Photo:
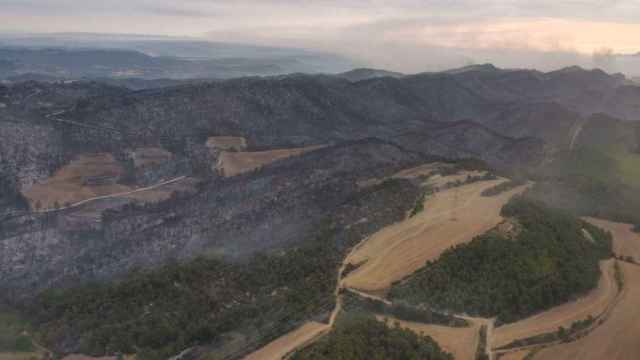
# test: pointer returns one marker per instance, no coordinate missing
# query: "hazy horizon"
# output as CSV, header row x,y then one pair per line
x,y
408,36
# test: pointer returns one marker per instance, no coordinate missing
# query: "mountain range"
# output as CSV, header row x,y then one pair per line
x,y
102,143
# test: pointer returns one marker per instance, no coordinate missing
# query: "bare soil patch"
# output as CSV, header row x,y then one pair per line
x,y
150,156
594,304
227,143
450,217
516,355
236,163
617,337
22,356
286,344
85,177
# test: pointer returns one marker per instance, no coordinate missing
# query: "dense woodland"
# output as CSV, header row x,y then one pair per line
x,y
160,313
363,337
547,263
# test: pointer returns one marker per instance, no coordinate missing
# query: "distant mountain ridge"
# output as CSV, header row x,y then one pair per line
x,y
74,56
365,74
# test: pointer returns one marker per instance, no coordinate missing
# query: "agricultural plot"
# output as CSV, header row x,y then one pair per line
x,y
450,217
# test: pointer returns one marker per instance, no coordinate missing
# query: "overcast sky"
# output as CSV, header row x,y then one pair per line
x,y
400,34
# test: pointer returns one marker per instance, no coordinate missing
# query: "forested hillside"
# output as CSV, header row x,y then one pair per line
x,y
549,261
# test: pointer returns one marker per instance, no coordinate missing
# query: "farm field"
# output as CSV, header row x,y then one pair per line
x,y
150,156
227,143
284,345
564,315
236,163
68,184
617,337
450,217
516,355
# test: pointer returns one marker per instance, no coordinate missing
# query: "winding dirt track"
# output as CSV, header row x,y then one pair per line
x,y
307,333
450,217
617,338
595,303
116,195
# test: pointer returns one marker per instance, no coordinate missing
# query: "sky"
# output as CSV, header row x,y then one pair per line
x,y
406,35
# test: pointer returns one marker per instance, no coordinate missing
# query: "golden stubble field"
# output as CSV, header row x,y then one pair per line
x,y
286,344
594,304
617,338
67,184
450,217
236,163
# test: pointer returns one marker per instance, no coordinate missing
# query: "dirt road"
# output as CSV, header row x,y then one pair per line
x,y
594,304
307,333
450,217
117,195
617,338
